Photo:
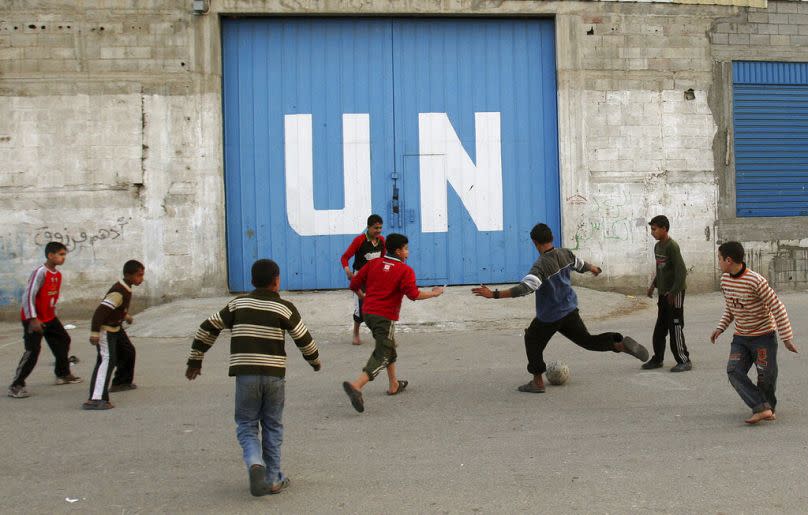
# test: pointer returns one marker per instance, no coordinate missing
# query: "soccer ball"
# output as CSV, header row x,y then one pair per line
x,y
557,372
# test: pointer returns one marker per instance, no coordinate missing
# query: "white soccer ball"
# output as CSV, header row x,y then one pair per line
x,y
557,372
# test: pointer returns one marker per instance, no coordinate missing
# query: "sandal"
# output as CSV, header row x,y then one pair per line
x,y
355,395
401,385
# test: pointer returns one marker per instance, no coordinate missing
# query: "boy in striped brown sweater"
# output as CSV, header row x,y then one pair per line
x,y
257,322
106,332
757,312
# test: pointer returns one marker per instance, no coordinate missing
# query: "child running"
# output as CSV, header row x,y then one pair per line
x,y
367,246
106,333
385,282
39,320
557,307
757,312
257,322
669,280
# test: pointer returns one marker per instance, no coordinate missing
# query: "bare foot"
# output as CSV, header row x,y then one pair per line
x,y
757,417
772,418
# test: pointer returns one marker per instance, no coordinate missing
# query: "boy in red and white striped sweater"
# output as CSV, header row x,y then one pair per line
x,y
757,312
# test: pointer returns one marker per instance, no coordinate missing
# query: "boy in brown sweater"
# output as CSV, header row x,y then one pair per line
x,y
105,332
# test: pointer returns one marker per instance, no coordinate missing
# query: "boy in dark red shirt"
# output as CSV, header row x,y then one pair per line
x,y
385,281
39,321
367,246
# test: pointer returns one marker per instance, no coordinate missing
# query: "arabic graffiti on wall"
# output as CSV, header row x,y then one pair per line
x,y
76,239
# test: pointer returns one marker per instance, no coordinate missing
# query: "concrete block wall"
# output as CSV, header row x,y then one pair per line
x,y
110,142
640,140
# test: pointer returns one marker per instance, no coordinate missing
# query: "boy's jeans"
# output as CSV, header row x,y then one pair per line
x,y
259,399
762,352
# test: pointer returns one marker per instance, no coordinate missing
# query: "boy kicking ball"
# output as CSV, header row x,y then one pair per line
x,y
385,281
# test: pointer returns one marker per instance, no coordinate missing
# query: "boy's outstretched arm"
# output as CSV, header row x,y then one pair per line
x,y
205,338
436,291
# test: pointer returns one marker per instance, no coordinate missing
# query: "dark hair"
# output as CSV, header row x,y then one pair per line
x,y
541,233
375,219
264,272
132,267
732,249
53,247
394,242
661,221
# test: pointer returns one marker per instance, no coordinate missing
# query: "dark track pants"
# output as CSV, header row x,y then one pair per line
x,y
59,342
107,358
539,333
670,322
125,368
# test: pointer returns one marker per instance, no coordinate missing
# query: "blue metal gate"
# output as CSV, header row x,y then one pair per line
x,y
447,128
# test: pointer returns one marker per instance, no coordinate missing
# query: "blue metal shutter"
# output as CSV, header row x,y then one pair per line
x,y
770,110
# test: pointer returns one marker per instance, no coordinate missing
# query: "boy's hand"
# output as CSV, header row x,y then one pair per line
x,y
349,273
650,292
35,326
94,340
483,291
790,345
128,319
316,365
361,294
192,373
596,270
437,291
715,335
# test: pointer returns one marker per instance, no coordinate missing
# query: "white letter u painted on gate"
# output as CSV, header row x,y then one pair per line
x,y
303,217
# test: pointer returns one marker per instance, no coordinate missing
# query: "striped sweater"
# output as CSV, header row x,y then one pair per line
x,y
753,305
257,322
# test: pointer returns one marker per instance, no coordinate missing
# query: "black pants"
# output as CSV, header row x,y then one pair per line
x,y
671,321
539,333
125,368
59,342
107,358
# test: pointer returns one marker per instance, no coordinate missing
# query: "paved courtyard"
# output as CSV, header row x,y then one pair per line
x,y
461,439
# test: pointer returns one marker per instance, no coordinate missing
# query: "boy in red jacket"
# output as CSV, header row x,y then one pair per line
x,y
367,246
385,281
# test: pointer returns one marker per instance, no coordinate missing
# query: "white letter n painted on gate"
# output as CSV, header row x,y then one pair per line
x,y
443,160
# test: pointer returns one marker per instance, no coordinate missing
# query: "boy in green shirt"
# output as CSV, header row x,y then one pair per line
x,y
669,280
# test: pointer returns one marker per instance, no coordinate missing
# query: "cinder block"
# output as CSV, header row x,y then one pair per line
x,y
800,42
11,53
788,29
784,7
758,17
719,39
739,39
777,40
778,18
768,29
113,52
759,40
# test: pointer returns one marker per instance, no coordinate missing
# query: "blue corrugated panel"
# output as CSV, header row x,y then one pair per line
x,y
320,76
771,138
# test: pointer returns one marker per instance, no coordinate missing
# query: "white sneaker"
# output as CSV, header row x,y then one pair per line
x,y
18,392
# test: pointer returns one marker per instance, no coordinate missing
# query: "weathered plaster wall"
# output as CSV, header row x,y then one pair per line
x,y
109,142
111,133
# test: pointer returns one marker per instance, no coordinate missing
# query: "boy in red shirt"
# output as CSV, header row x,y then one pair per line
x,y
39,321
385,281
367,246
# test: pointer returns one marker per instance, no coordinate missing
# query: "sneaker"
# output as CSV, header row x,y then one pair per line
x,y
97,405
279,487
682,367
651,364
258,481
122,387
69,379
18,392
630,346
